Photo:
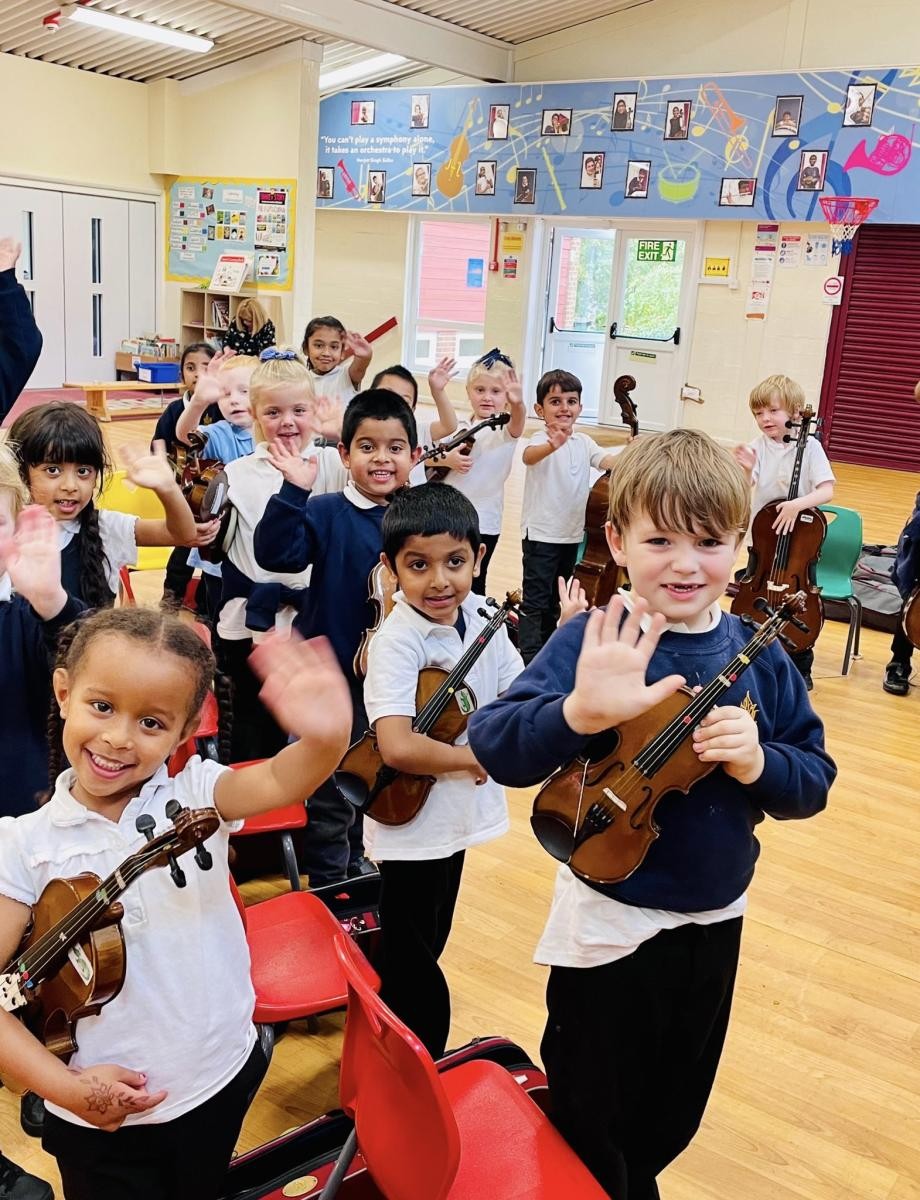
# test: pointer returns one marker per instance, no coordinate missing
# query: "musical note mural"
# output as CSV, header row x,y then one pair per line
x,y
693,134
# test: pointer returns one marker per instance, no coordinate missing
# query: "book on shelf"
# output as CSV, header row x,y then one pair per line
x,y
220,314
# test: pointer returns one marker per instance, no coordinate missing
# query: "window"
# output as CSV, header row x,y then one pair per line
x,y
448,306
651,288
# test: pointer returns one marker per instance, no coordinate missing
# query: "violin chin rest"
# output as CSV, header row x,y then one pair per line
x,y
353,788
554,834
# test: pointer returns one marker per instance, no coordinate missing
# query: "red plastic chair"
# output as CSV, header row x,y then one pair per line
x,y
469,1133
278,820
206,731
295,970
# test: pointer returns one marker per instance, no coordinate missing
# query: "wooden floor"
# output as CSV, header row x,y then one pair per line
x,y
818,1096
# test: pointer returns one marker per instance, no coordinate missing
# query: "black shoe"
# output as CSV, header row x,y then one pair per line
x,y
15,1184
32,1114
897,679
362,866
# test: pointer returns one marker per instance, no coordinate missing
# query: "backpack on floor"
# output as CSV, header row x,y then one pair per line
x,y
874,588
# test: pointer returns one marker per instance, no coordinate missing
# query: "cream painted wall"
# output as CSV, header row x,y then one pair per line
x,y
672,37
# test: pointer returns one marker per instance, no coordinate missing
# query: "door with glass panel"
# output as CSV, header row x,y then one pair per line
x,y
96,283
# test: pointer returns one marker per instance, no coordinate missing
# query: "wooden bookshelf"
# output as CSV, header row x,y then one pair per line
x,y
204,315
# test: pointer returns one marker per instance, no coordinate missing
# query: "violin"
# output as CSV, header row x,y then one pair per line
x,y
910,618
463,441
598,815
597,573
72,958
206,488
628,410
443,703
381,588
449,178
783,563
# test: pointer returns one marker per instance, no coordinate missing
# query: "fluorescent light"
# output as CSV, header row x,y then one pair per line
x,y
137,29
359,70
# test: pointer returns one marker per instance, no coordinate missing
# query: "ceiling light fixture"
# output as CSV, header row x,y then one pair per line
x,y
359,70
112,23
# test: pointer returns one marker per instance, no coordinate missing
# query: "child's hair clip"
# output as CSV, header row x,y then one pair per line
x,y
492,357
273,352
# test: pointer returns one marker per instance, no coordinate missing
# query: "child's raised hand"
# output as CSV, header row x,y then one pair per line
x,y
610,685
439,376
149,469
303,687
10,251
745,457
357,345
572,599
105,1094
328,412
729,735
33,560
513,390
558,437
296,470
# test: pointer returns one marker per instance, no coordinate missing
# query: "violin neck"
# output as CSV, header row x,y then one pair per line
x,y
653,756
429,715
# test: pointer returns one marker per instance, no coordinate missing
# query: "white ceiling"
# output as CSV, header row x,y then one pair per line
x,y
516,21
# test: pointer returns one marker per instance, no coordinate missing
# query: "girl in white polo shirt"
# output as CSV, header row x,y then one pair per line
x,y
152,1101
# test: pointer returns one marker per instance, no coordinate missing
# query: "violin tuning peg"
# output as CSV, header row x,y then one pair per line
x,y
762,606
203,858
145,824
799,624
483,612
173,808
788,643
748,621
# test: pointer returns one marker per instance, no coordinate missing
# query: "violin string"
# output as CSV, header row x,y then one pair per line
x,y
436,705
57,939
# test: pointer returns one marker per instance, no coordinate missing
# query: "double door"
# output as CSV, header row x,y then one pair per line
x,y
617,303
88,265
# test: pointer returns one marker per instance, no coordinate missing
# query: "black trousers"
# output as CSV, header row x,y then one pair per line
x,y
178,574
184,1159
902,648
416,912
544,562
490,541
334,836
255,732
631,1050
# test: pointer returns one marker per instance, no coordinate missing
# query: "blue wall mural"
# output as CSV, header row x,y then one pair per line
x,y
758,146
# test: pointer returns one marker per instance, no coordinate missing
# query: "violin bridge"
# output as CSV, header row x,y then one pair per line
x,y
614,798
777,587
11,994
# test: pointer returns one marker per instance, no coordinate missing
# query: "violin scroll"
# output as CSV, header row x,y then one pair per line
x,y
622,387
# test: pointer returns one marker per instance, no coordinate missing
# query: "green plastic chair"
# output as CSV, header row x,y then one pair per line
x,y
839,556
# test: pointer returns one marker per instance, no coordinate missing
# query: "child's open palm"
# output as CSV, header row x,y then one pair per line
x,y
10,251
296,470
558,437
148,470
33,560
303,687
513,390
440,375
357,345
610,685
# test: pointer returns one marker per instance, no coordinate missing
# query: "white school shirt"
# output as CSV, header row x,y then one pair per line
x,y
483,484
459,813
116,529
587,929
184,1014
336,383
556,489
252,483
772,472
423,431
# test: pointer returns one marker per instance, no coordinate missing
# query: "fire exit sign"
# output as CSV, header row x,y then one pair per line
x,y
655,250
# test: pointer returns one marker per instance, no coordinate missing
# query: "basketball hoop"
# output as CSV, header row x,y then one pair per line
x,y
845,214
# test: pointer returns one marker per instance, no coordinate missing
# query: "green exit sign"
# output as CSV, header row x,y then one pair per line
x,y
655,250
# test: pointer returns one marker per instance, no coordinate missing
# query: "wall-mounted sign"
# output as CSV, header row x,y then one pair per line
x,y
655,250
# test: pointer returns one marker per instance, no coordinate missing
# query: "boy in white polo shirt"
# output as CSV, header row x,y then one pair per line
x,y
431,542
556,487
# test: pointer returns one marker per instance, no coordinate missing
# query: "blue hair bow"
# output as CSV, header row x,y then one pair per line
x,y
273,352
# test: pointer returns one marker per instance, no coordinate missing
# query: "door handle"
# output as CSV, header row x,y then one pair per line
x,y
552,324
613,331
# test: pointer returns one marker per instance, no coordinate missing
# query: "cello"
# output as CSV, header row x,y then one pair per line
x,y
597,815
622,389
783,563
72,960
910,619
443,703
597,573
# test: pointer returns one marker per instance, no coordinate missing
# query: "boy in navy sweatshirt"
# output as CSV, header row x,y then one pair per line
x,y
20,339
660,947
906,576
339,535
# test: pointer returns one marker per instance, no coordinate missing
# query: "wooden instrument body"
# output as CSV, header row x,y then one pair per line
x,y
573,796
381,588
436,473
910,621
396,797
462,441
764,580
60,1000
597,573
206,488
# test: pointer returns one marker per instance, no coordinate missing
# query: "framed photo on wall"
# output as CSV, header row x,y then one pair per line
x,y
556,122
638,174
812,169
421,179
325,183
485,178
860,104
737,193
498,122
623,117
418,113
525,185
677,120
363,112
787,116
376,187
592,169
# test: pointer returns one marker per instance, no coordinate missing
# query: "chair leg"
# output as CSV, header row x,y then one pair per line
x,y
267,1040
290,861
342,1163
859,612
847,653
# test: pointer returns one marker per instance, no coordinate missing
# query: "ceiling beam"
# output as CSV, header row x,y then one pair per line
x,y
388,27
